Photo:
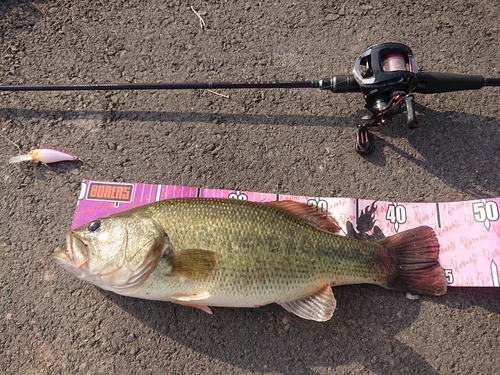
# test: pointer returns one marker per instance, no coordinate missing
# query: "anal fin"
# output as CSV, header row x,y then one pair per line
x,y
318,306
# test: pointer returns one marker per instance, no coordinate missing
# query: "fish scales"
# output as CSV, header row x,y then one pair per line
x,y
266,250
215,252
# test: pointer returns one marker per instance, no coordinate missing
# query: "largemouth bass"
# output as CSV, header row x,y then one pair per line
x,y
204,252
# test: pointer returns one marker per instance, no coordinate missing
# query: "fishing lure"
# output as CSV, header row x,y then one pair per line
x,y
43,155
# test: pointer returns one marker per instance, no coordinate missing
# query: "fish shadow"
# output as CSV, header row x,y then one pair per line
x,y
464,298
363,332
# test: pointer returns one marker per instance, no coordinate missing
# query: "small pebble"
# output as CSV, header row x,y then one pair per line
x,y
412,296
131,337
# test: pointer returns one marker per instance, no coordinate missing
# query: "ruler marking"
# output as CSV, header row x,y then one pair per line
x,y
438,216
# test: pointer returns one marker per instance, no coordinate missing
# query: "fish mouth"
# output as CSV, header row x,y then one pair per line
x,y
77,255
118,278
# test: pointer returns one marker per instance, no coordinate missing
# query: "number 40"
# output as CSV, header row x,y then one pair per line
x,y
396,214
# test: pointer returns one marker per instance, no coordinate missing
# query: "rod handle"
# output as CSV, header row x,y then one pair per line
x,y
340,84
429,83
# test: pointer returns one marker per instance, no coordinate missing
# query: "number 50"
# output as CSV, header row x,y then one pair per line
x,y
485,211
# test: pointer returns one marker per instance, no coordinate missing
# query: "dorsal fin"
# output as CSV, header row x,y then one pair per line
x,y
316,216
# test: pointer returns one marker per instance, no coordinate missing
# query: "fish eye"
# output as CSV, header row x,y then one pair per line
x,y
94,225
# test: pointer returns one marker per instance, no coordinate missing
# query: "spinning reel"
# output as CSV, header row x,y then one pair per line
x,y
386,74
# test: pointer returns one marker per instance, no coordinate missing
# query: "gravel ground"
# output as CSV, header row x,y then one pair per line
x,y
286,141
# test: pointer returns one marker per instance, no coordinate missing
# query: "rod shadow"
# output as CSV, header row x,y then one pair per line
x,y
20,13
460,149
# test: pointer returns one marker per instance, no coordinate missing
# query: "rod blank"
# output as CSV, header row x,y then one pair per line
x,y
162,86
428,83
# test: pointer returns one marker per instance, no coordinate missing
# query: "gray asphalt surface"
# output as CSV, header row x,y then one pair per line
x,y
286,141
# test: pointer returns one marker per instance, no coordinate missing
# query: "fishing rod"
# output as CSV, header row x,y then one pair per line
x,y
386,74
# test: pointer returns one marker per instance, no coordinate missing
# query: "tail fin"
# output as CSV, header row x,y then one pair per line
x,y
415,264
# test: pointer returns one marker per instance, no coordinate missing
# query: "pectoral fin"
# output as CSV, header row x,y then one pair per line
x,y
319,306
193,264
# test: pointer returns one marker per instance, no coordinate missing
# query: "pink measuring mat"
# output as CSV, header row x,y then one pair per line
x,y
468,231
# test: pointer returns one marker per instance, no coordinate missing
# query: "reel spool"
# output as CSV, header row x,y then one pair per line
x,y
386,74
